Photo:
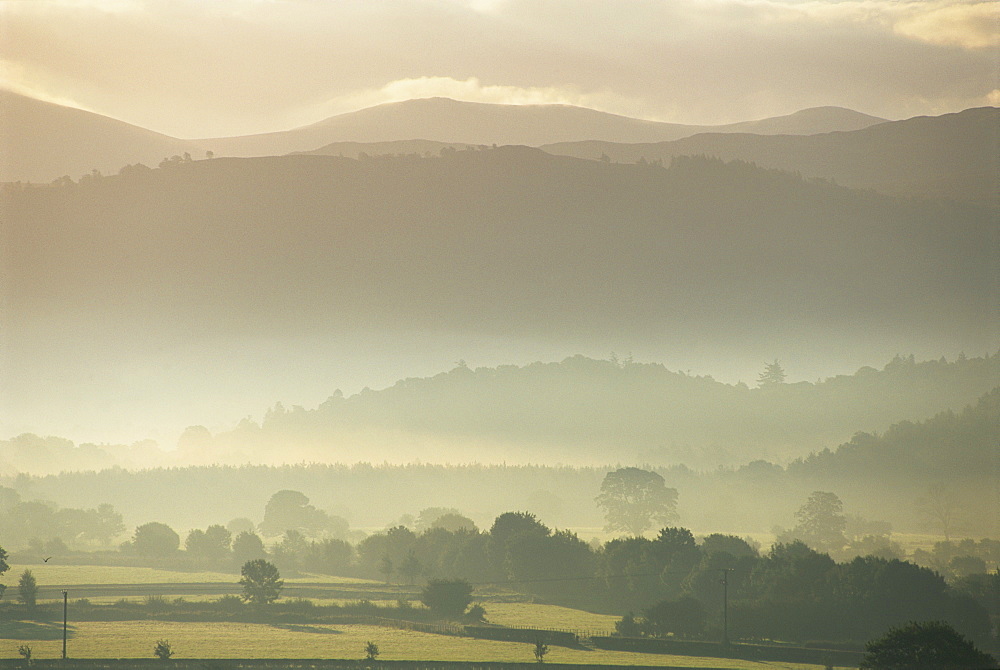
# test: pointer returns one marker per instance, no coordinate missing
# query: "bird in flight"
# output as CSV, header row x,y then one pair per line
x,y
46,560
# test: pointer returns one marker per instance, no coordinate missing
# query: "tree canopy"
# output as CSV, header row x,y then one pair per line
x,y
261,582
932,644
634,500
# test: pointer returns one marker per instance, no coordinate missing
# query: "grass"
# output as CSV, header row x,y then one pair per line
x,y
547,616
136,639
68,575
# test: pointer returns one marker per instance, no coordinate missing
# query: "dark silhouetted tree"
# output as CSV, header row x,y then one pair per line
x,y
447,598
261,582
685,616
247,547
635,500
540,650
4,567
371,651
822,522
772,375
155,539
163,650
916,645
27,589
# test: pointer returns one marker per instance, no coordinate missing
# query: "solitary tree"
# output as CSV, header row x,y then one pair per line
x,y
371,651
540,650
822,522
634,500
163,650
941,509
447,598
772,375
932,644
27,589
261,582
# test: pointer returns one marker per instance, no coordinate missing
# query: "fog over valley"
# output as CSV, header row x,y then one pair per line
x,y
473,333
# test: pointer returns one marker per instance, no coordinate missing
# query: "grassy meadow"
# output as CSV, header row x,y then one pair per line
x,y
136,639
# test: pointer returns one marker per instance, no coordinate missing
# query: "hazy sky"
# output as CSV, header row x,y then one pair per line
x,y
197,68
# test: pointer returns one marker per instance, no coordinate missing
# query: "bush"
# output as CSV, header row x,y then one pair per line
x,y
162,650
447,598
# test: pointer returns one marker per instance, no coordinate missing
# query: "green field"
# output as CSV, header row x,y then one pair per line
x,y
135,639
53,573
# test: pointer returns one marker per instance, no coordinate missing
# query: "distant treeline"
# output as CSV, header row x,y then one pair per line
x,y
578,410
583,409
936,476
671,583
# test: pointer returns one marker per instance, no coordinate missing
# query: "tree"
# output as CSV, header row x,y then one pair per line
x,y
941,509
4,567
290,510
447,598
772,375
932,644
822,522
163,650
246,547
27,589
371,651
540,650
261,582
410,567
685,616
155,539
634,500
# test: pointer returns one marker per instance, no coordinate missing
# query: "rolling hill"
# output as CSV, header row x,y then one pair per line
x,y
42,141
251,262
457,122
951,156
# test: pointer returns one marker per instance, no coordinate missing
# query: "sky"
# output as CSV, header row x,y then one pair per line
x,y
210,68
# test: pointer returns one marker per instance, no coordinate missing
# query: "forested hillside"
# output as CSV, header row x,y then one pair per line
x,y
948,156
914,475
497,247
581,409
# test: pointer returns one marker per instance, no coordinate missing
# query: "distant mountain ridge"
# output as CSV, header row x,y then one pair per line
x,y
952,156
41,141
457,122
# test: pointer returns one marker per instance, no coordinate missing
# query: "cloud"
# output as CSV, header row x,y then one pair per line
x,y
191,68
966,25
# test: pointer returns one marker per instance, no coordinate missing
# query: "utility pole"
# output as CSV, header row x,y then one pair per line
x,y
65,610
725,605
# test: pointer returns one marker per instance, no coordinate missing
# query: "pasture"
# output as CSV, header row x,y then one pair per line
x,y
136,639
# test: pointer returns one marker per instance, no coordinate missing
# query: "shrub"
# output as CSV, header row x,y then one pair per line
x,y
447,598
162,650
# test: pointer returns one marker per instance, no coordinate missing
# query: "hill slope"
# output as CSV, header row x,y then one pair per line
x,y
953,155
298,255
42,141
